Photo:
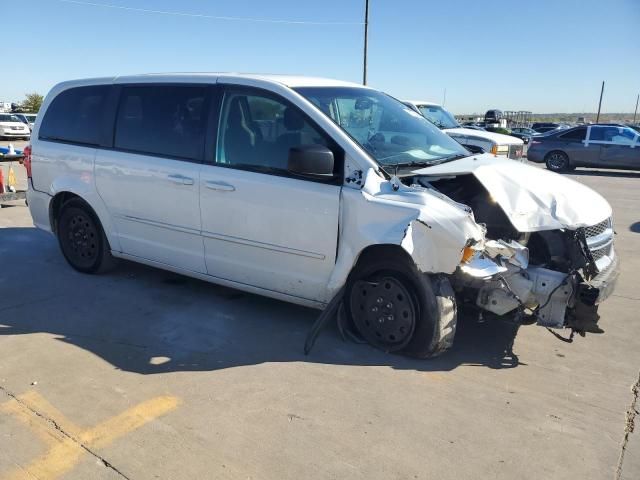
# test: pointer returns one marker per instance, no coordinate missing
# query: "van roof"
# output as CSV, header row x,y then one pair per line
x,y
287,80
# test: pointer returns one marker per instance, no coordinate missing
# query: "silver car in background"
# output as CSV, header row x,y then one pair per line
x,y
597,146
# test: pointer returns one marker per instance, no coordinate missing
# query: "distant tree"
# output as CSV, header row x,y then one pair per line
x,y
32,103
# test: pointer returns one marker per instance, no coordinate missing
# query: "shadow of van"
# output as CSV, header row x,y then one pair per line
x,y
150,321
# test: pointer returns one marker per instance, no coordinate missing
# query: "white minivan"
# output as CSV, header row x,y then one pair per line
x,y
316,192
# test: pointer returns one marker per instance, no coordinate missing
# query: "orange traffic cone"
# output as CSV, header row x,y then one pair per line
x,y
11,180
1,180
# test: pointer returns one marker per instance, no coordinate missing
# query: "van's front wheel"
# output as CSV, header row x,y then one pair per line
x,y
398,309
81,238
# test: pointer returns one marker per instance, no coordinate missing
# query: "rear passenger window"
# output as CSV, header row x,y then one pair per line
x,y
597,134
576,135
76,116
162,120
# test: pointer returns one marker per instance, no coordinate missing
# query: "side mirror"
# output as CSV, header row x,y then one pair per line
x,y
311,160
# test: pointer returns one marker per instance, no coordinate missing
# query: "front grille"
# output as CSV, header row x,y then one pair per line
x,y
597,254
600,240
598,228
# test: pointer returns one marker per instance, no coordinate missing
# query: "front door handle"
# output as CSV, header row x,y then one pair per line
x,y
181,179
222,186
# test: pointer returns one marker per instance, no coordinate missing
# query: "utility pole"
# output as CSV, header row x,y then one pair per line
x,y
366,35
636,112
444,98
600,104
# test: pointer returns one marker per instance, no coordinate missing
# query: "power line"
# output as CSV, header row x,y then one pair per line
x,y
209,17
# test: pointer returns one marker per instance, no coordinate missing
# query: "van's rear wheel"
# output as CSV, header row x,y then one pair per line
x,y
81,238
398,309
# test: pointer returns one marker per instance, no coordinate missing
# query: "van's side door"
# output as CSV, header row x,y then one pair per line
x,y
261,225
149,180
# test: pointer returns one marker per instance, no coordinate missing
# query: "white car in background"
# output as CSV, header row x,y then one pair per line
x,y
27,118
490,142
12,127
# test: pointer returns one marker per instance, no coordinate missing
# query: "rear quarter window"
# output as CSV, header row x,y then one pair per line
x,y
75,116
576,135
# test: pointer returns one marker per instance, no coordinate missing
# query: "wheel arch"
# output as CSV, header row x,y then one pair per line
x,y
64,195
375,251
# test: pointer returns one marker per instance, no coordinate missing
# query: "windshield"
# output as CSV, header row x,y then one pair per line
x,y
389,131
9,118
438,116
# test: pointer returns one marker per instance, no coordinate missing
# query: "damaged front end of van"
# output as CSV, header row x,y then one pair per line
x,y
548,257
512,241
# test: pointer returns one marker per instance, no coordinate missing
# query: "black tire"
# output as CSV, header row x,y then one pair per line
x,y
82,239
417,315
558,161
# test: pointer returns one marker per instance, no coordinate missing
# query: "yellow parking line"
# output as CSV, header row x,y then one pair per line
x,y
132,419
64,452
36,402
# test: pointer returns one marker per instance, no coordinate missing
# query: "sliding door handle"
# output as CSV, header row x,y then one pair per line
x,y
221,186
181,179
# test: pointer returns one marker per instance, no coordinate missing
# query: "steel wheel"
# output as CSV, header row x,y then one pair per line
x,y
80,239
384,311
557,162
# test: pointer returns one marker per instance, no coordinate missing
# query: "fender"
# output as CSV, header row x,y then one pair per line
x,y
432,229
83,185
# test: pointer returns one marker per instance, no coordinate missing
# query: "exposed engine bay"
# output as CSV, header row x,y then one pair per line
x,y
548,277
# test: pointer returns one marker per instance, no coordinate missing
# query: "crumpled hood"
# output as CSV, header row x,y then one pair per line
x,y
497,138
532,198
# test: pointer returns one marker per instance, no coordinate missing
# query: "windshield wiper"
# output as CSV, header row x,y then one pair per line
x,y
430,163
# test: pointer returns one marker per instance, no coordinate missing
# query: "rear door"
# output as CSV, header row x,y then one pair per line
x,y
261,225
150,179
619,147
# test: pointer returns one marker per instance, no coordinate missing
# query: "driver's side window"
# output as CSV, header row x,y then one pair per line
x,y
257,131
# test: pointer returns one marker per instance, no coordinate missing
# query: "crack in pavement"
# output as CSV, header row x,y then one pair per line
x,y
629,426
626,297
58,428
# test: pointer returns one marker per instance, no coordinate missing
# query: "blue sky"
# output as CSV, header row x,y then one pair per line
x,y
538,55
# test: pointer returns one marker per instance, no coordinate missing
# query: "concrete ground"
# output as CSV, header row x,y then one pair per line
x,y
143,374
